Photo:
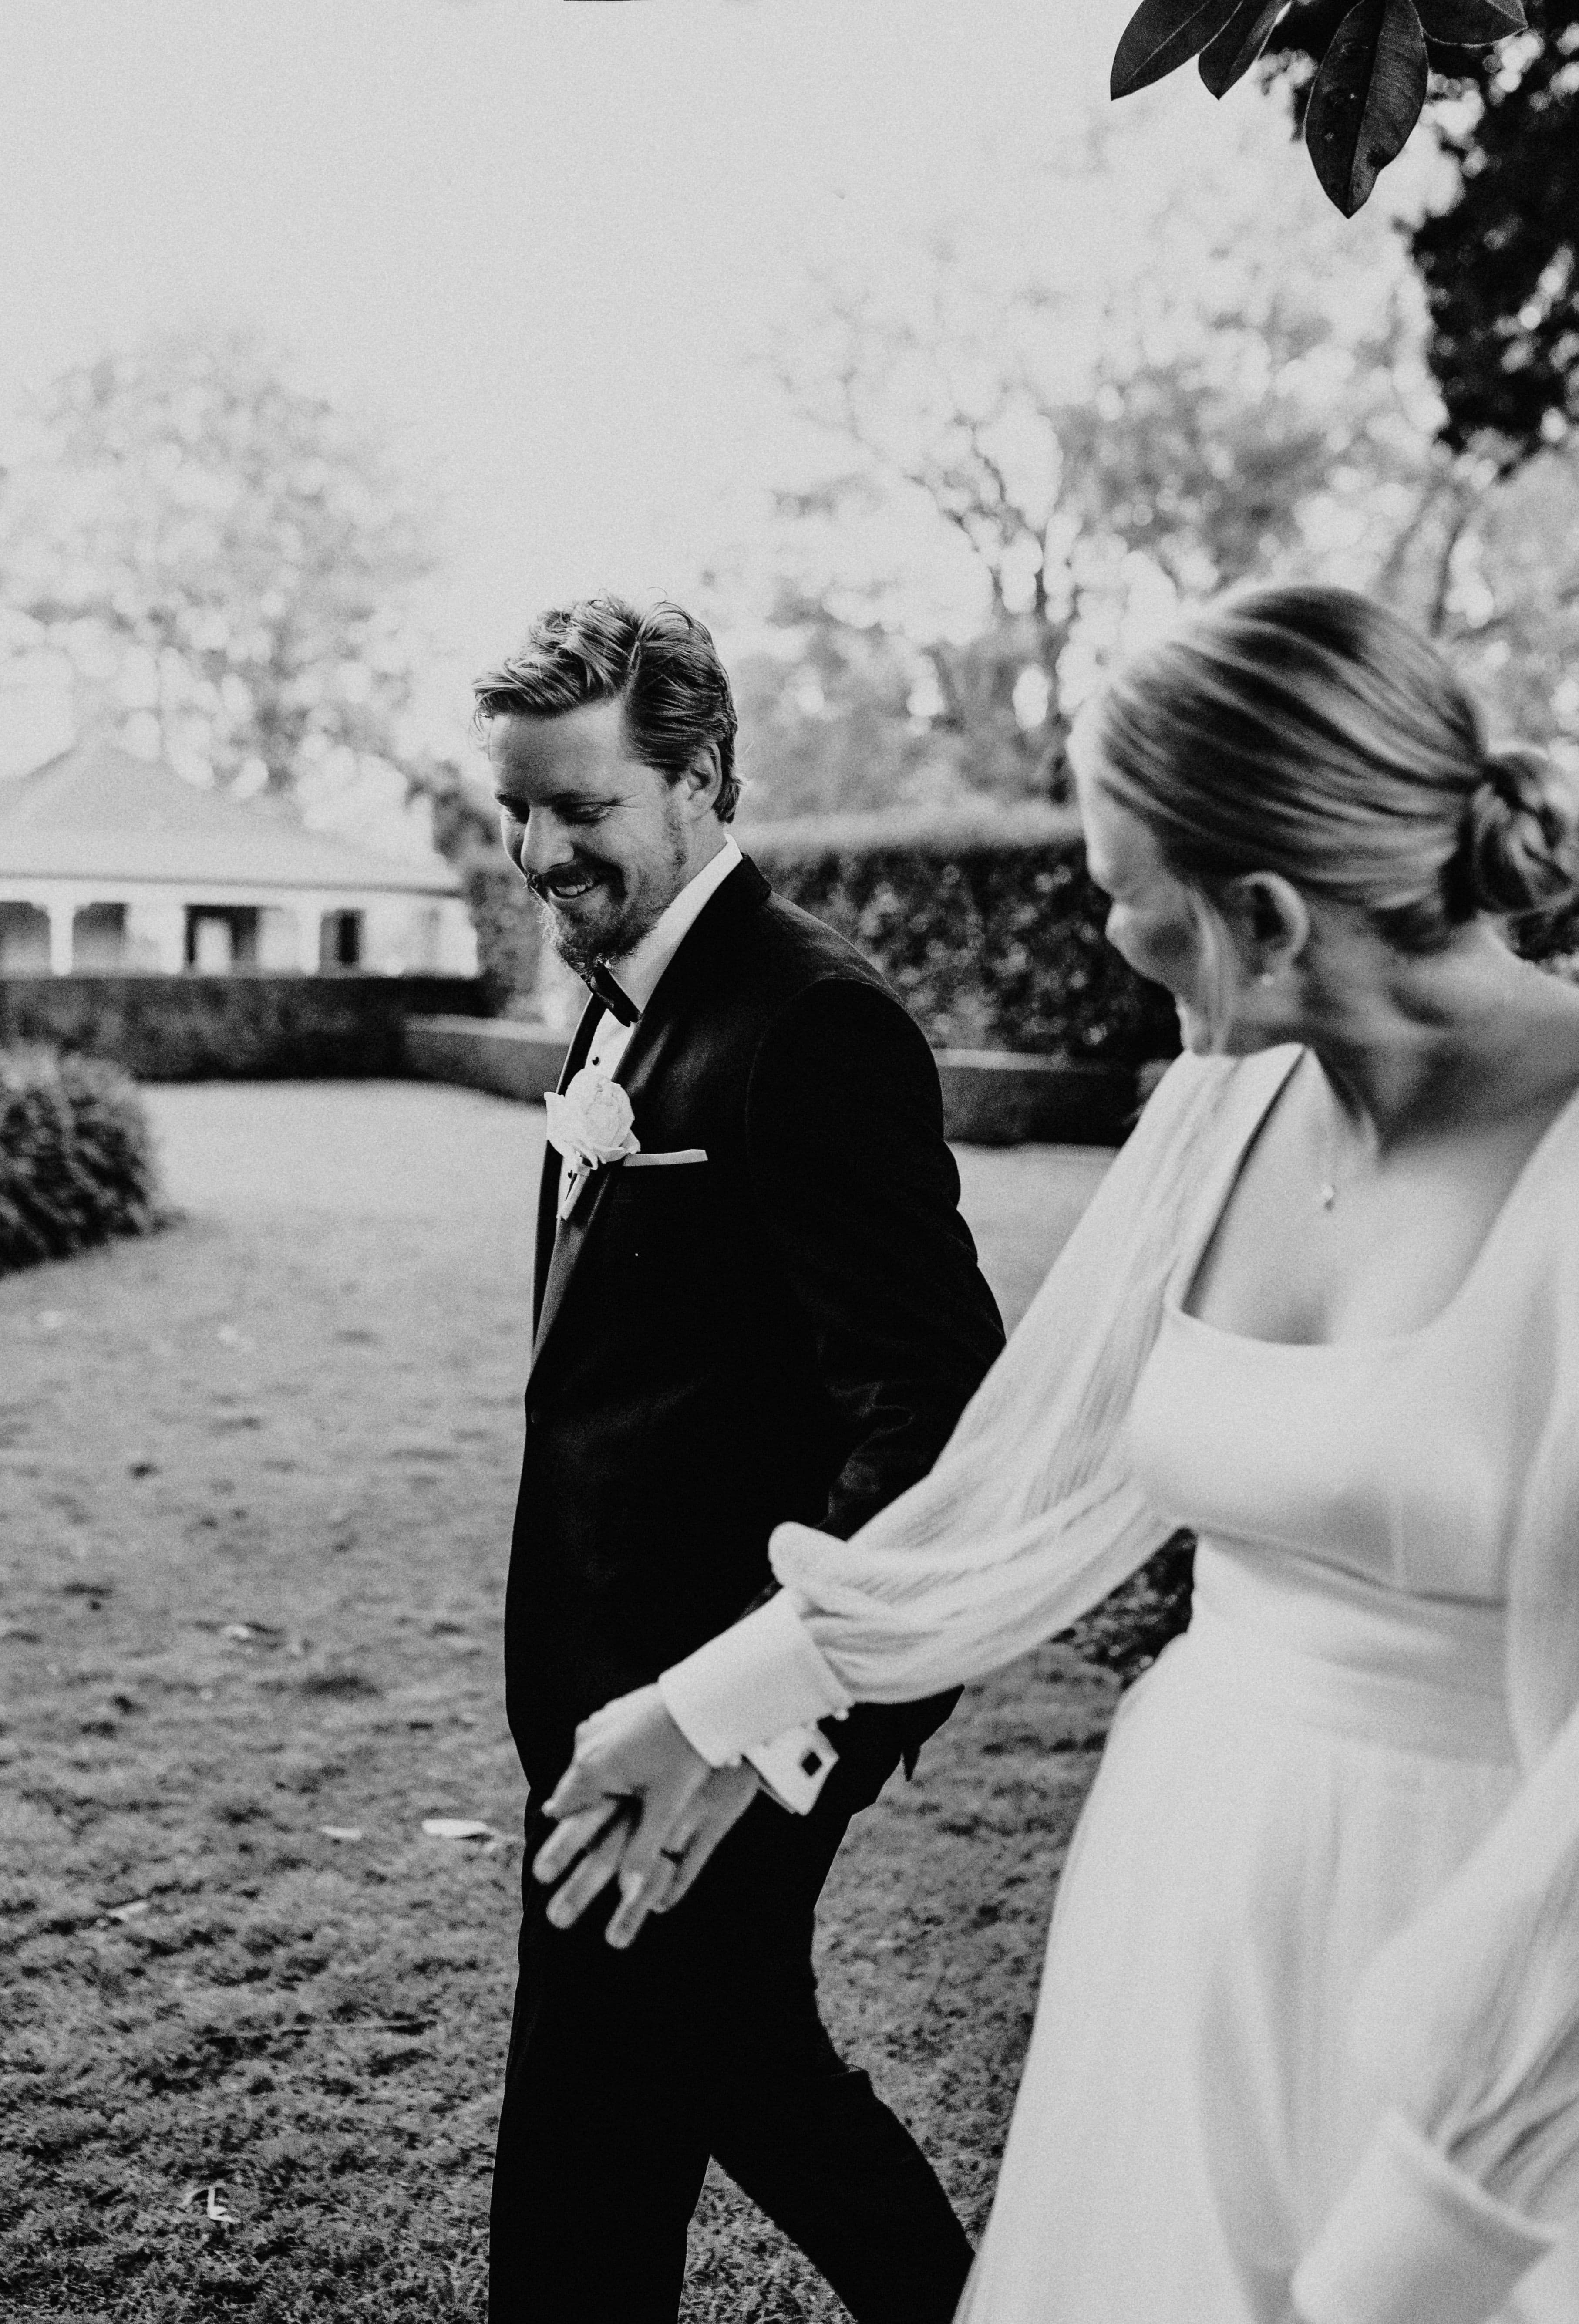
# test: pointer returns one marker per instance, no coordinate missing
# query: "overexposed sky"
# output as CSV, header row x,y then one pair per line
x,y
540,238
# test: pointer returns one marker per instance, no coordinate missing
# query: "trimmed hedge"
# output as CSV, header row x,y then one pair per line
x,y
987,926
985,923
247,1026
76,1157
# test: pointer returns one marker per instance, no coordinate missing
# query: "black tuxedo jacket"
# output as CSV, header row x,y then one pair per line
x,y
787,1330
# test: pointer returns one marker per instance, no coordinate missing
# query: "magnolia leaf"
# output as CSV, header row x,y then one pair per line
x,y
212,2206
1163,34
1228,56
1365,99
1471,24
456,1828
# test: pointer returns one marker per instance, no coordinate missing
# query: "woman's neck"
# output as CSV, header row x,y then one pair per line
x,y
1432,1038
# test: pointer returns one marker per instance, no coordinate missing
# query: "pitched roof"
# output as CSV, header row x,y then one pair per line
x,y
97,813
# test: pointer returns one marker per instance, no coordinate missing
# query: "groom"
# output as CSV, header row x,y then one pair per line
x,y
755,1300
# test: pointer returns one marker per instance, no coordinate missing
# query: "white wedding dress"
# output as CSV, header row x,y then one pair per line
x,y
1309,2024
1285,1788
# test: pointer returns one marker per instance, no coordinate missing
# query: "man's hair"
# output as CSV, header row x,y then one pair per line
x,y
661,667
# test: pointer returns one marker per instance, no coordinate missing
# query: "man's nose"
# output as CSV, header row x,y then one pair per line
x,y
545,846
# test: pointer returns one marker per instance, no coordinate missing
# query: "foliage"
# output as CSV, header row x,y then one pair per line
x,y
831,719
465,831
1500,259
509,930
1371,65
1488,565
76,1157
225,561
1027,463
1131,1626
230,1028
992,938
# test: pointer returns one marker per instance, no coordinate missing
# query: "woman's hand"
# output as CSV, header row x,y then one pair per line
x,y
637,1801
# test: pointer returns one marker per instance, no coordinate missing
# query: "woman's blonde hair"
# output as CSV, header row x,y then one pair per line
x,y
1312,732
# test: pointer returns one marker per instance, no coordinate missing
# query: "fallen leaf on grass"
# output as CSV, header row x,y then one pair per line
x,y
131,1912
456,1828
212,2207
342,1830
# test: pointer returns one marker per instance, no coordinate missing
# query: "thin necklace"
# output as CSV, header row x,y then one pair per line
x,y
1328,1183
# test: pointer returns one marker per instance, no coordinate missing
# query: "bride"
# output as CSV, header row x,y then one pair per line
x,y
1307,2043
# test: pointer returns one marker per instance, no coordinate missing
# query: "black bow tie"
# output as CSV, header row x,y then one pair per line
x,y
603,987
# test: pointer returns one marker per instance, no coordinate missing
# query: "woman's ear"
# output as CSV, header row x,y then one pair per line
x,y
1269,920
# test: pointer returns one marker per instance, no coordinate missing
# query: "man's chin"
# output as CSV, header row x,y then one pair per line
x,y
581,938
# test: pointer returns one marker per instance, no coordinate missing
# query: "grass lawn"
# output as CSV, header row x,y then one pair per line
x,y
256,1476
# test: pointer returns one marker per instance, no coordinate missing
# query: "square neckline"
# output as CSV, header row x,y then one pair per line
x,y
1182,1280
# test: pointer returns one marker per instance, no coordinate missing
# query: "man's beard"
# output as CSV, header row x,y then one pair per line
x,y
630,899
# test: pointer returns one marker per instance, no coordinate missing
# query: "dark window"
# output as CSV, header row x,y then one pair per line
x,y
340,941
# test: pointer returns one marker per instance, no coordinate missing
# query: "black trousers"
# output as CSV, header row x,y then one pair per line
x,y
628,2070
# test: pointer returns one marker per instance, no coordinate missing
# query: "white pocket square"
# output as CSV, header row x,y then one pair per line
x,y
665,1161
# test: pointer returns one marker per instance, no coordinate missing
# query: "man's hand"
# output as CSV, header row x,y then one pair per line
x,y
639,1802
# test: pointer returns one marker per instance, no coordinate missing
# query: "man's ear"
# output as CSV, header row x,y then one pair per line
x,y
702,780
1269,918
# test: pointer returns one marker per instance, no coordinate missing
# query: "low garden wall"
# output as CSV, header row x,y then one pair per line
x,y
247,1026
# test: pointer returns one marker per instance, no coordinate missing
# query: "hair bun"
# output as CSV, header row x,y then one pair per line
x,y
1520,844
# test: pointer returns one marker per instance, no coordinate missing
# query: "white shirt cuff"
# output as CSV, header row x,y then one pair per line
x,y
1413,2236
751,1684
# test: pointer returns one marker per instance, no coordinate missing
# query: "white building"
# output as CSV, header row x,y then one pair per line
x,y
109,864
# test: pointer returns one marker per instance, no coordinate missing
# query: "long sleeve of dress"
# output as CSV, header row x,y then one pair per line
x,y
1032,1514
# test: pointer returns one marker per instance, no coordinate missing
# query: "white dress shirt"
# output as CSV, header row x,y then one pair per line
x,y
637,972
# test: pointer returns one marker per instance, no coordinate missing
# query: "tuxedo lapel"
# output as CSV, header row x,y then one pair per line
x,y
663,1023
575,1059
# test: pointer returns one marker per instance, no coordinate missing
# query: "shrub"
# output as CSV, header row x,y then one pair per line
x,y
509,931
249,1025
76,1157
987,926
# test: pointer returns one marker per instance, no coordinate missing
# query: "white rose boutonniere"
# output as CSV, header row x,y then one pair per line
x,y
591,1125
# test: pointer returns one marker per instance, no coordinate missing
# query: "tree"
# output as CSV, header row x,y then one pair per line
x,y
220,555
1084,440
